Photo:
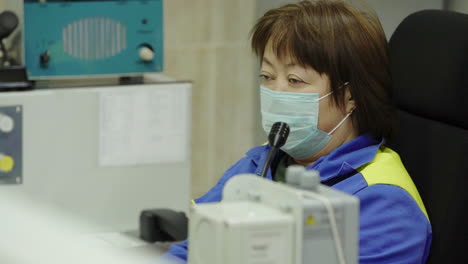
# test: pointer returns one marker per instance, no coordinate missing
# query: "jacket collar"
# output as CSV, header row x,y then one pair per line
x,y
347,157
259,155
343,160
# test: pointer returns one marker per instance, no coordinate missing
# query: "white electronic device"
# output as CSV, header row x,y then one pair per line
x,y
260,221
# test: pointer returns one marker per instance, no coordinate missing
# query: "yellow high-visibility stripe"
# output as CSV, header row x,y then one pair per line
x,y
387,168
193,202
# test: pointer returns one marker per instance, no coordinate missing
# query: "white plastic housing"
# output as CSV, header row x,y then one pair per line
x,y
240,232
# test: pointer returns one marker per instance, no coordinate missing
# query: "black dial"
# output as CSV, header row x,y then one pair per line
x,y
44,58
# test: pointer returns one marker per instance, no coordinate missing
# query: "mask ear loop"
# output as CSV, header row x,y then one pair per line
x,y
344,84
325,95
341,122
346,117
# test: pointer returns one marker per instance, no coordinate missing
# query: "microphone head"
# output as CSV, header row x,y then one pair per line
x,y
8,23
278,134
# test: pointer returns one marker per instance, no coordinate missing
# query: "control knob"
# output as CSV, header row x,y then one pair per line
x,y
6,123
44,58
146,53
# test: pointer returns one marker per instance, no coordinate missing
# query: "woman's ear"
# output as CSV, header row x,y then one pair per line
x,y
349,102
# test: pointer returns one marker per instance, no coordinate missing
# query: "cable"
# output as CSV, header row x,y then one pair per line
x,y
334,227
4,53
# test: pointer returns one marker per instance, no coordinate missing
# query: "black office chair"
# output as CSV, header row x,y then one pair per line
x,y
429,55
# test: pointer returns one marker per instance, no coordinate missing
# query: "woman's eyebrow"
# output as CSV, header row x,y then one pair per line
x,y
267,61
289,65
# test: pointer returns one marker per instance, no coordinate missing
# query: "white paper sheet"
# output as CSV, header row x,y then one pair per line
x,y
144,127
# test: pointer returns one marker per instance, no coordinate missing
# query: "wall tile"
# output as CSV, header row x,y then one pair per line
x,y
187,21
196,64
206,41
235,105
233,20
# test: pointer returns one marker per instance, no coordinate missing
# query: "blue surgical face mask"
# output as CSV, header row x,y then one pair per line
x,y
300,111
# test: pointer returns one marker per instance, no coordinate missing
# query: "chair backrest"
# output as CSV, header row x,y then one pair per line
x,y
429,56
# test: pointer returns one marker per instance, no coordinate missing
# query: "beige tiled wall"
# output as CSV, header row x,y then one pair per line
x,y
206,41
457,5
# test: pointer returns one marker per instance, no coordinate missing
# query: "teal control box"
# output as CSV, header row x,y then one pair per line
x,y
69,39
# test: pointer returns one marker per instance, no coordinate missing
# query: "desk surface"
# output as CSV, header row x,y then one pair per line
x,y
37,232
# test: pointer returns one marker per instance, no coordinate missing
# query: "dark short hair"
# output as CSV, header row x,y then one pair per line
x,y
343,42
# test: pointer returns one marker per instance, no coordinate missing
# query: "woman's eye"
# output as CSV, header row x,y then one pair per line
x,y
265,77
294,81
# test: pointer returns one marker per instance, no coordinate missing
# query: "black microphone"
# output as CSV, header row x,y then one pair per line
x,y
278,135
8,23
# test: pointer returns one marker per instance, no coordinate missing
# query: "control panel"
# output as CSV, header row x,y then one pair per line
x,y
110,37
11,144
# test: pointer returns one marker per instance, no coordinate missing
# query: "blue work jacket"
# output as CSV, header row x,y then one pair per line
x,y
394,226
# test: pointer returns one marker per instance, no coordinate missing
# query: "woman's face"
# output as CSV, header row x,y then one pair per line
x,y
284,75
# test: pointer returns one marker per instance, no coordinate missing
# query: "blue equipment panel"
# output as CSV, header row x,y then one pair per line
x,y
110,37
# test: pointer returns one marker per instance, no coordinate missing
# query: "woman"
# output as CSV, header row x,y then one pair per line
x,y
325,71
